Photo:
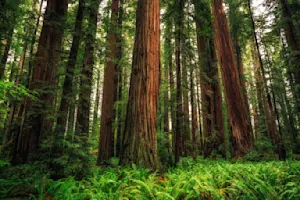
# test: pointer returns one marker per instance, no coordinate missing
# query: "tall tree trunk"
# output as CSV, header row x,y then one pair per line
x,y
67,91
106,141
85,91
37,124
194,115
140,140
120,80
96,105
211,98
241,130
179,109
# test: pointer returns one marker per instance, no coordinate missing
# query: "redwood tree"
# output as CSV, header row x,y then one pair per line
x,y
106,141
37,122
140,140
240,125
85,91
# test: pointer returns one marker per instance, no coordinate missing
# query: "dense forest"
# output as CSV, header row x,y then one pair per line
x,y
149,99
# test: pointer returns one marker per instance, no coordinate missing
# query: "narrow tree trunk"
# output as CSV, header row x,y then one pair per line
x,y
120,80
67,91
106,141
96,105
241,130
85,91
140,140
194,115
179,108
37,125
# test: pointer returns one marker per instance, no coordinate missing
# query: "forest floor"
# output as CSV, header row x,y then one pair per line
x,y
199,179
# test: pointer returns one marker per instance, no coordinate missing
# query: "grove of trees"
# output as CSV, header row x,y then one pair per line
x,y
148,81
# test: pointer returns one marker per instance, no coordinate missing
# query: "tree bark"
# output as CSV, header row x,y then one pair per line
x,y
106,141
37,124
140,140
179,108
85,91
120,80
241,130
67,91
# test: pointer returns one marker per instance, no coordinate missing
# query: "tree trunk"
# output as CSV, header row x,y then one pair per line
x,y
37,124
211,98
67,91
96,105
106,141
194,115
85,91
140,140
241,130
179,109
120,80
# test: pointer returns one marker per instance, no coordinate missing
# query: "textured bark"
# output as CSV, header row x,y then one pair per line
x,y
241,130
140,140
120,80
67,91
106,141
37,124
179,109
85,91
211,98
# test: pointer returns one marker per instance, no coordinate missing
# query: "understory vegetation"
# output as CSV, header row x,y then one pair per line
x,y
190,179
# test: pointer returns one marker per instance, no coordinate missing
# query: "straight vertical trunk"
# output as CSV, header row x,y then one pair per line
x,y
37,124
67,91
194,115
211,98
96,104
106,141
179,108
140,140
85,91
120,80
241,130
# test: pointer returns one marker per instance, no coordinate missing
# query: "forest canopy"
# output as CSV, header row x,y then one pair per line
x,y
150,99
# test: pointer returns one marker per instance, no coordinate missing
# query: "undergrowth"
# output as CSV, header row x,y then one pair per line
x,y
200,179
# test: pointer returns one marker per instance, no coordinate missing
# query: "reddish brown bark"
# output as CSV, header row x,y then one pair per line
x,y
140,140
37,124
241,130
106,141
211,98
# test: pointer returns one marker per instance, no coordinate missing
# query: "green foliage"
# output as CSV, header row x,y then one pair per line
x,y
9,91
200,179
